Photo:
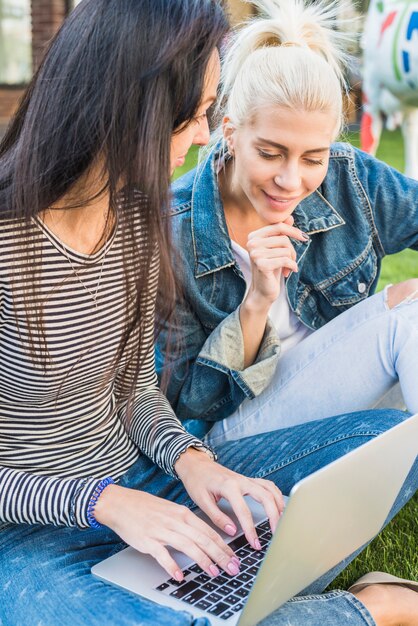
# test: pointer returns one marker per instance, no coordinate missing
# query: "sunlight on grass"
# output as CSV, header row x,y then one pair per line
x,y
396,548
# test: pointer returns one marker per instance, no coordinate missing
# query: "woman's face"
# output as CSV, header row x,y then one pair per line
x,y
197,131
280,157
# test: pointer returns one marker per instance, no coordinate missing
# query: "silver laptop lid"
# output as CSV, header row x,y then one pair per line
x,y
330,514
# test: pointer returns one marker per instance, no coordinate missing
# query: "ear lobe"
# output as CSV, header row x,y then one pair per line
x,y
228,130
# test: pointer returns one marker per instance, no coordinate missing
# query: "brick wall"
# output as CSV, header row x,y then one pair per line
x,y
47,17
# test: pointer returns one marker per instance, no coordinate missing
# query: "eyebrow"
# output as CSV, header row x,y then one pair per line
x,y
286,149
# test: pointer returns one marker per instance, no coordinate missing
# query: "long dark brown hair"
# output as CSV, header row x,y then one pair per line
x,y
118,78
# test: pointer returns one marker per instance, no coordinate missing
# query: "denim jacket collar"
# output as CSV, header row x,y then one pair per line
x,y
211,242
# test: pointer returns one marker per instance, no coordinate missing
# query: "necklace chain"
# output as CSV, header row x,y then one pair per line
x,y
94,293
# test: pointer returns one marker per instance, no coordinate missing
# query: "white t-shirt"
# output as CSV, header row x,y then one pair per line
x,y
289,328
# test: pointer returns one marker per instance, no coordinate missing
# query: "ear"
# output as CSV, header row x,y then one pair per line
x,y
228,130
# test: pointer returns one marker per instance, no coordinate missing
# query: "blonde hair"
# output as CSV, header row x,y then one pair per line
x,y
289,56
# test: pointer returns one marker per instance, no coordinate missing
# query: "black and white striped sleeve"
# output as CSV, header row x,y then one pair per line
x,y
31,499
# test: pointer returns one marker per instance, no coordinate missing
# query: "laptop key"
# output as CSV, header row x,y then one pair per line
x,y
220,580
233,583
202,578
176,583
202,604
253,570
249,560
223,591
237,607
214,597
195,568
239,542
264,525
227,615
210,586
219,608
241,593
195,596
232,600
243,552
244,577
184,590
162,587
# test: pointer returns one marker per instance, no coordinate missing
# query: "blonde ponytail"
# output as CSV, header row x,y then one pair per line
x,y
290,55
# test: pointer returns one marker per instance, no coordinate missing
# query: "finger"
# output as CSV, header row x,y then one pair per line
x,y
275,492
272,253
289,220
270,265
272,505
232,492
279,229
204,551
163,557
220,520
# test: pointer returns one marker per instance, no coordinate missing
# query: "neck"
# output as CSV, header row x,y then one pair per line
x,y
84,228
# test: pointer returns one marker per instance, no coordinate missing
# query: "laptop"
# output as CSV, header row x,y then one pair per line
x,y
328,516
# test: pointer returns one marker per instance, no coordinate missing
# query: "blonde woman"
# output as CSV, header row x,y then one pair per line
x,y
280,233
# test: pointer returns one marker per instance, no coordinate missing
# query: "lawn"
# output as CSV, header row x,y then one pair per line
x,y
396,548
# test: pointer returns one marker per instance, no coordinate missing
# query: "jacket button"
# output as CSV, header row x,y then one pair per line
x,y
361,287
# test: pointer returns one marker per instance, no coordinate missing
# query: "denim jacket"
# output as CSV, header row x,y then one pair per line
x,y
363,210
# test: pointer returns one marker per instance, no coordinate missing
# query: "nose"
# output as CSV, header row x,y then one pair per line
x,y
202,134
288,177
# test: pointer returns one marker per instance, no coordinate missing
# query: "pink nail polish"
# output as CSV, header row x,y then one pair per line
x,y
214,570
236,560
257,544
230,530
233,568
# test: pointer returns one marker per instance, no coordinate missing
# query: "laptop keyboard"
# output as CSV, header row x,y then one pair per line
x,y
223,595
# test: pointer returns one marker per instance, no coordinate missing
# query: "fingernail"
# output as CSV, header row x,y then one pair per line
x,y
305,236
230,530
236,560
178,575
214,570
257,544
233,568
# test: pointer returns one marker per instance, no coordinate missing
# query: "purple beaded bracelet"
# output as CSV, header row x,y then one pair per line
x,y
93,523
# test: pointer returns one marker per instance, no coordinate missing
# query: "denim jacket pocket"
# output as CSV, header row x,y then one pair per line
x,y
353,283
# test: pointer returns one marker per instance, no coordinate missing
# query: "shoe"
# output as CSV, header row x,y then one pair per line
x,y
382,578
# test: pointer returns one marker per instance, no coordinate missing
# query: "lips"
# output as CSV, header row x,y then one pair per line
x,y
280,199
280,203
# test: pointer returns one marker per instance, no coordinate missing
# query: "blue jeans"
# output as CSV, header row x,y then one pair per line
x,y
45,574
347,365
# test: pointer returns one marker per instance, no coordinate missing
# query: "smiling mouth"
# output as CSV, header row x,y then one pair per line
x,y
280,200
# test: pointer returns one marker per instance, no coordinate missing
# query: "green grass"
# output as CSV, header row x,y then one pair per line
x,y
396,549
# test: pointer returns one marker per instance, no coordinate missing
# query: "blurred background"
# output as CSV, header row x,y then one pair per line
x,y
27,25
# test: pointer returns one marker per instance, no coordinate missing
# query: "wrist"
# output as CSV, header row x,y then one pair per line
x,y
255,305
189,458
106,505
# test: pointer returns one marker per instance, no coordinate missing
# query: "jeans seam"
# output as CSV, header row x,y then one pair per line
x,y
312,449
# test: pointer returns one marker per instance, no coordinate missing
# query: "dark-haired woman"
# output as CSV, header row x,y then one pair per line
x,y
90,451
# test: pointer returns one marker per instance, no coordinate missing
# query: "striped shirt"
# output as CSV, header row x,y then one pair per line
x,y
63,428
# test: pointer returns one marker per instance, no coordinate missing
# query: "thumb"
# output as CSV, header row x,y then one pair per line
x,y
289,220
